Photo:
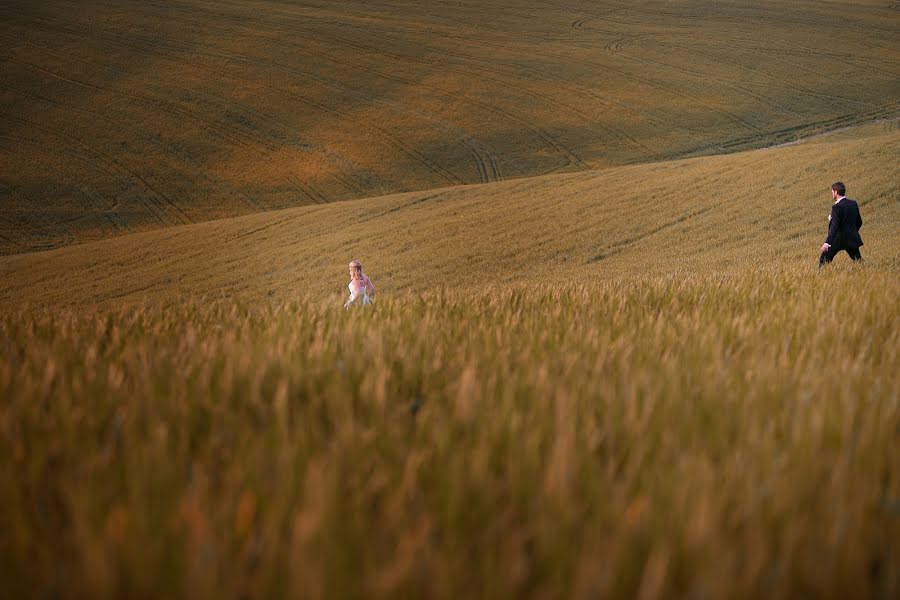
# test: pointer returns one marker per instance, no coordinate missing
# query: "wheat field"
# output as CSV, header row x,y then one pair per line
x,y
601,362
122,116
729,213
695,437
541,403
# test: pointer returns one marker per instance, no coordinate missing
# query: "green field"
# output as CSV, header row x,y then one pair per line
x,y
124,116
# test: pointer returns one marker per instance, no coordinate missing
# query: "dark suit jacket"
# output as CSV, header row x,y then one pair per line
x,y
843,230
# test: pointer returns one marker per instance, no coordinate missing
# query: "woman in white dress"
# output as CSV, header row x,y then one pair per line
x,y
362,290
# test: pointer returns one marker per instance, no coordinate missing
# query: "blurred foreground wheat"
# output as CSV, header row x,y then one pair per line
x,y
706,437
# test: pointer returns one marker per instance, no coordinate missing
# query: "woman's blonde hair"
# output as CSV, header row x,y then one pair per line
x,y
355,269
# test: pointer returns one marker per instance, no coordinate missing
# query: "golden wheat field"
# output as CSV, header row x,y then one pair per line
x,y
720,214
541,403
690,437
137,114
601,361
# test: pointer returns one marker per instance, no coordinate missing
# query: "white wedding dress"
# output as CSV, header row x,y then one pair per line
x,y
361,298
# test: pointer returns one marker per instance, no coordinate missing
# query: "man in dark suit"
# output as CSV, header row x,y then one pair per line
x,y
843,227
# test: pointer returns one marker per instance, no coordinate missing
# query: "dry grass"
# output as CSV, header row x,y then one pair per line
x,y
544,402
702,436
712,214
121,116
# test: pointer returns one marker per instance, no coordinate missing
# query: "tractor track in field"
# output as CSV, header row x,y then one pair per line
x,y
580,23
835,126
486,161
768,55
622,245
242,137
71,109
803,132
772,56
231,134
487,164
546,138
252,203
667,17
731,116
235,136
487,167
489,71
398,42
12,225
416,201
109,210
262,228
736,84
154,198
238,138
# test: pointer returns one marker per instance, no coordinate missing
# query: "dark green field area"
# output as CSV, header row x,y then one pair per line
x,y
121,116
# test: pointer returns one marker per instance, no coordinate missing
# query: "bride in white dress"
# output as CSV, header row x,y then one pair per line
x,y
362,290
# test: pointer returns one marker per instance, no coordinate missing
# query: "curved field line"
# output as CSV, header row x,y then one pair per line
x,y
110,162
234,135
604,17
395,141
542,75
486,161
426,198
92,165
544,136
482,165
776,57
580,23
621,245
262,228
71,109
312,195
487,165
572,158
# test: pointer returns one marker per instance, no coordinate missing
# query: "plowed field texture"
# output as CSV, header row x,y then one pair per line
x,y
132,114
601,361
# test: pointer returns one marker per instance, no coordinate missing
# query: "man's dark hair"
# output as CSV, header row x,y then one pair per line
x,y
840,188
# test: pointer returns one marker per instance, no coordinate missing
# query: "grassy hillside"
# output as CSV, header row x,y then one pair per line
x,y
121,116
624,383
754,210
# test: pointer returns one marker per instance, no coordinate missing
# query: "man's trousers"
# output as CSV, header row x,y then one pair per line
x,y
827,256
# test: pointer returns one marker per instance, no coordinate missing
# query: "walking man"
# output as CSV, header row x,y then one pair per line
x,y
843,227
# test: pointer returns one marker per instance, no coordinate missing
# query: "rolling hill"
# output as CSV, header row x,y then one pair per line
x,y
601,362
119,117
759,209
629,382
